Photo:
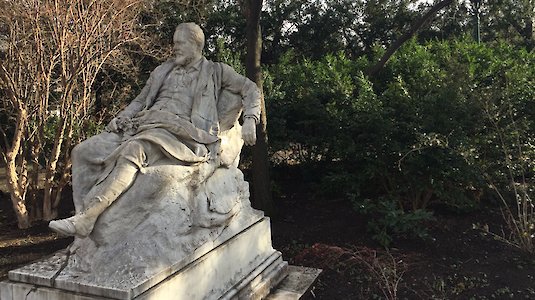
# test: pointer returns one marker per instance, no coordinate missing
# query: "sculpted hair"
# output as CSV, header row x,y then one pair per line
x,y
195,32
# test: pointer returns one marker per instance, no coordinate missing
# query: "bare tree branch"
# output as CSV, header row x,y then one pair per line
x,y
407,35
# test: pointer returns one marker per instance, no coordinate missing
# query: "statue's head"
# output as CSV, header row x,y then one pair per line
x,y
188,43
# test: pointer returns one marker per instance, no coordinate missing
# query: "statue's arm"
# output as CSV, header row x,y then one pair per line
x,y
238,84
250,94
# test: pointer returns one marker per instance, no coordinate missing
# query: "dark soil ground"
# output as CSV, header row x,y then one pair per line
x,y
459,260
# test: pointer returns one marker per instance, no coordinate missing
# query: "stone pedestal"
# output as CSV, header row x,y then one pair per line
x,y
244,266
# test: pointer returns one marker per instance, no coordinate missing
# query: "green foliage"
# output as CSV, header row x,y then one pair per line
x,y
223,54
315,28
303,96
427,131
388,221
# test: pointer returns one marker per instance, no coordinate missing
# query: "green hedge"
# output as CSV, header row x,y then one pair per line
x,y
439,122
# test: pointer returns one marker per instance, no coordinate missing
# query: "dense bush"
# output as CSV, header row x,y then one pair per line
x,y
429,130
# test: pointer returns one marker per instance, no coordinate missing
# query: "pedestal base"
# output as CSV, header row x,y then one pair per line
x,y
244,267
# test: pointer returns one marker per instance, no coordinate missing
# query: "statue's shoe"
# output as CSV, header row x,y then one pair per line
x,y
63,226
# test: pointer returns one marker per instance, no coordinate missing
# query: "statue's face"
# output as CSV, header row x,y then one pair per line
x,y
184,48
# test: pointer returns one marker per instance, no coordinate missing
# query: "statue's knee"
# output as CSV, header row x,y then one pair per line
x,y
133,147
78,150
133,151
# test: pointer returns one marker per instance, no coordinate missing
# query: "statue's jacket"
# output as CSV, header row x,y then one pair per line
x,y
175,135
219,96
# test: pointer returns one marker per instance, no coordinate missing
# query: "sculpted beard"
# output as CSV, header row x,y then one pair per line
x,y
183,59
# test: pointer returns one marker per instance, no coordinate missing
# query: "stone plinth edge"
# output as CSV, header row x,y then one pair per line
x,y
299,281
246,264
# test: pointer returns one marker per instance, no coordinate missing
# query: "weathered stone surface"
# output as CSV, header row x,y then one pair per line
x,y
296,284
20,291
214,274
244,267
259,283
148,247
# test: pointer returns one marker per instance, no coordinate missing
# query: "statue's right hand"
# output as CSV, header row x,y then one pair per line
x,y
115,124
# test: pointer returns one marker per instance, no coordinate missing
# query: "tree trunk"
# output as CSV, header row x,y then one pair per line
x,y
32,196
49,213
17,196
261,191
19,206
16,179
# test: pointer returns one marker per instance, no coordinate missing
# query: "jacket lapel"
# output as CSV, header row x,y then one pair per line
x,y
160,75
204,111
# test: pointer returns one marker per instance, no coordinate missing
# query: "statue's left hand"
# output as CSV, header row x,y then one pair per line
x,y
249,131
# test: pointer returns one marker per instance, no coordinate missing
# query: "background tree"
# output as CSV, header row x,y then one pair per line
x,y
513,20
55,49
261,181
408,34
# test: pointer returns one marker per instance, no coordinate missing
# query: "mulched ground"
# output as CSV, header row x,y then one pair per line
x,y
459,260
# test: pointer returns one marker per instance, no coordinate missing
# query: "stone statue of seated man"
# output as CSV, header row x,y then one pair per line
x,y
178,117
162,210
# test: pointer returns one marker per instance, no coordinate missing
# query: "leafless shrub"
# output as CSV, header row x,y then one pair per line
x,y
517,150
53,51
385,269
